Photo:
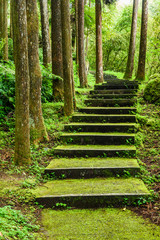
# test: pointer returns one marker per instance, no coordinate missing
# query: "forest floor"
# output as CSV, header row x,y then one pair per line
x,y
16,182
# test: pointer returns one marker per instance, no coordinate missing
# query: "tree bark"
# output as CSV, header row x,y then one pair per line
x,y
66,49
99,54
81,54
5,30
132,46
45,33
57,60
76,17
11,19
38,130
22,131
1,17
143,42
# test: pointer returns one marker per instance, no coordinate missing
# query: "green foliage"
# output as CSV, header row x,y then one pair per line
x,y
152,89
15,225
7,88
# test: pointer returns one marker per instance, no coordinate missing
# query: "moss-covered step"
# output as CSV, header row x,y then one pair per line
x,y
90,192
98,138
114,91
95,151
92,167
109,102
109,96
120,81
108,86
100,127
108,110
104,118
98,224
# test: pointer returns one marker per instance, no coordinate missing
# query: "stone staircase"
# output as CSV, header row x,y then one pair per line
x,y
96,165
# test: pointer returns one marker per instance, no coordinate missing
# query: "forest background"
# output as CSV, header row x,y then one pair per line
x,y
116,26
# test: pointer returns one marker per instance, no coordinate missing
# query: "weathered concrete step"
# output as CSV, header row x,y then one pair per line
x,y
92,118
95,151
109,76
90,193
111,96
115,86
108,110
92,167
109,102
120,81
100,127
114,91
98,138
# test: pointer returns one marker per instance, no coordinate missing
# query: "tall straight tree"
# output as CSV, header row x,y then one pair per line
x,y
143,42
38,129
132,46
45,32
1,17
67,64
5,30
76,19
22,130
57,61
81,54
99,54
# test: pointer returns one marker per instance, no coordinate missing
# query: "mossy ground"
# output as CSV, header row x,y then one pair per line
x,y
110,224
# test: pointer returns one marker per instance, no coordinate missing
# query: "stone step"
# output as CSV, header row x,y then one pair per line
x,y
109,102
90,193
112,85
109,76
92,167
98,138
119,81
108,110
100,127
95,151
97,118
114,91
112,96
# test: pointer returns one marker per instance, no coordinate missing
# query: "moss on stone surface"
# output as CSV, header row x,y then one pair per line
x,y
92,162
109,224
98,147
152,89
91,186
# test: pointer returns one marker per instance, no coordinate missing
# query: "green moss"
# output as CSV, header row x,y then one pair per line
x,y
152,89
100,134
110,224
91,186
92,162
98,147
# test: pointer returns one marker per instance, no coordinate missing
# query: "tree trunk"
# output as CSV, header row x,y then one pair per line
x,y
1,17
22,131
38,130
11,19
66,48
5,30
81,54
45,33
132,46
57,61
99,54
76,17
143,42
